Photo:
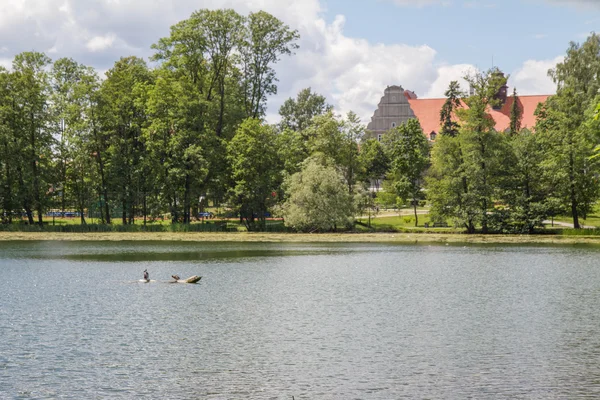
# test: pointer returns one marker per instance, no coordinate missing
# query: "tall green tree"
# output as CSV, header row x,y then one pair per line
x,y
74,97
9,149
266,40
408,151
466,169
525,189
256,172
562,122
33,132
177,149
125,117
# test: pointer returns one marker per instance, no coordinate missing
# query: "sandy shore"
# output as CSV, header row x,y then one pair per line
x,y
299,237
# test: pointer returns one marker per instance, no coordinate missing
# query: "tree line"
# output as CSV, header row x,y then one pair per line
x,y
169,140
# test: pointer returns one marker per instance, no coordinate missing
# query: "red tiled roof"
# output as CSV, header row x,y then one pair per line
x,y
428,112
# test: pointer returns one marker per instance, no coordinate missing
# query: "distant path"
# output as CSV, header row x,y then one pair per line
x,y
567,225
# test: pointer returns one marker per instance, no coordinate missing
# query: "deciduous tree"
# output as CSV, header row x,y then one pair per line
x,y
408,151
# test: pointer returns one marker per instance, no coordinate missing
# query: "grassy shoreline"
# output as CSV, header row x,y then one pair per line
x,y
300,237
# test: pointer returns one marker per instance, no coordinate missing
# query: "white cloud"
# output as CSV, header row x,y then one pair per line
x,y
99,43
6,63
447,74
532,77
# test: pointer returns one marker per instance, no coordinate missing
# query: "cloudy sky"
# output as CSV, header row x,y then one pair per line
x,y
350,50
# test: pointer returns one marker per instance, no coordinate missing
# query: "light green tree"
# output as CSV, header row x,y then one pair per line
x,y
317,199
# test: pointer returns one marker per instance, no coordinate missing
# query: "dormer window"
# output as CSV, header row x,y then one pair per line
x,y
432,136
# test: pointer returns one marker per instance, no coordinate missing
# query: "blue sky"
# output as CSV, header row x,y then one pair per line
x,y
474,32
350,50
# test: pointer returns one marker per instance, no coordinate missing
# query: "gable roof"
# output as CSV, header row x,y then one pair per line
x,y
428,112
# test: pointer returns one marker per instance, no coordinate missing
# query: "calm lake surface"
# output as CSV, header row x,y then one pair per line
x,y
272,321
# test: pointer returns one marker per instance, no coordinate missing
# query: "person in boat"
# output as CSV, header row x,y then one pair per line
x,y
146,275
176,277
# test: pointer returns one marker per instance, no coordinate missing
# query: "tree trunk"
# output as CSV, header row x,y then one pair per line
x,y
573,193
484,216
415,209
101,170
186,200
8,189
34,170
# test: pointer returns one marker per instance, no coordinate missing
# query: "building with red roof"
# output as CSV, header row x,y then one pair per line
x,y
398,105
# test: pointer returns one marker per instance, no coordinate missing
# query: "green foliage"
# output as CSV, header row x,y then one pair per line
x,y
296,114
255,170
563,126
267,39
408,151
516,114
468,169
292,150
447,114
374,161
317,199
527,196
335,141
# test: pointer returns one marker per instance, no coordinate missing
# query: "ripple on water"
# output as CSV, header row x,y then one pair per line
x,y
309,321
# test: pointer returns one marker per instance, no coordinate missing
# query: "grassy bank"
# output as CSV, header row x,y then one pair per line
x,y
299,237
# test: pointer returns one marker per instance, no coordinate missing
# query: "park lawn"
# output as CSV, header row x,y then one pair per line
x,y
400,223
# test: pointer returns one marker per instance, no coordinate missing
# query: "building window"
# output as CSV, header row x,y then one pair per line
x,y
379,137
432,136
393,125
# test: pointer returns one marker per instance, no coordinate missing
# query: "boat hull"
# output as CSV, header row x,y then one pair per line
x,y
191,279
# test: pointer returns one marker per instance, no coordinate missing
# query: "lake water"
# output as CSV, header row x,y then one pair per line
x,y
272,321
